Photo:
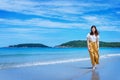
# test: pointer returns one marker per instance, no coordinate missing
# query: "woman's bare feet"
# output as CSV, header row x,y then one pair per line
x,y
94,67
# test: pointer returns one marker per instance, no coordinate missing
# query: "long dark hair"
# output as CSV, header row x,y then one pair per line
x,y
96,31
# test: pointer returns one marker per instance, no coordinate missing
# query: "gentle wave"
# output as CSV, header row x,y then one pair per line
x,y
13,65
109,55
4,66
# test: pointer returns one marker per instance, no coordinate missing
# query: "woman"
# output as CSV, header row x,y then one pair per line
x,y
93,46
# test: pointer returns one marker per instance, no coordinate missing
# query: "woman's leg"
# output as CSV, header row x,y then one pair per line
x,y
96,57
92,57
91,52
96,54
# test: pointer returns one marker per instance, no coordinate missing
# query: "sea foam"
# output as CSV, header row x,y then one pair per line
x,y
39,63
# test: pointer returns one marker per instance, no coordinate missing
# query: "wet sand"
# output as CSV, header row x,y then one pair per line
x,y
108,69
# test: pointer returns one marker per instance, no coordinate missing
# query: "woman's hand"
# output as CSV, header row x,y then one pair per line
x,y
98,49
88,48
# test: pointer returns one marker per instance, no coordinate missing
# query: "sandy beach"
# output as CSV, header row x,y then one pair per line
x,y
108,69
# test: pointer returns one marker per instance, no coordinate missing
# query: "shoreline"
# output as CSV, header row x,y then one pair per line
x,y
107,69
47,63
53,47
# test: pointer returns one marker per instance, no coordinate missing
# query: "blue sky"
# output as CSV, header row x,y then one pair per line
x,y
53,22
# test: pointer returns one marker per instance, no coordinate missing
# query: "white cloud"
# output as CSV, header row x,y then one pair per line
x,y
59,9
34,30
54,9
109,28
41,23
118,12
36,24
93,20
90,18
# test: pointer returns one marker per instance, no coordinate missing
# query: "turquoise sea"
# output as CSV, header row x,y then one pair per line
x,y
23,57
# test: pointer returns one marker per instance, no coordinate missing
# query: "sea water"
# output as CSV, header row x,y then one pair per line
x,y
23,57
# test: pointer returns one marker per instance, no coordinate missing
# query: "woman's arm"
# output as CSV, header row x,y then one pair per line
x,y
88,43
98,43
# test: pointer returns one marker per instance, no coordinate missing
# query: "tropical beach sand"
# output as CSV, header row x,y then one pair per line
x,y
108,69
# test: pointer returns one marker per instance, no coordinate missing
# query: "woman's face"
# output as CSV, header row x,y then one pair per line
x,y
93,29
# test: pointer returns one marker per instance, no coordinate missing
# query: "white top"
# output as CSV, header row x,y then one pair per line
x,y
92,38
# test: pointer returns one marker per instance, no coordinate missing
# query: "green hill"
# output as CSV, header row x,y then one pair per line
x,y
29,45
70,44
83,43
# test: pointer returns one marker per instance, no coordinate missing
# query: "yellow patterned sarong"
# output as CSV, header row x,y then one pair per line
x,y
94,55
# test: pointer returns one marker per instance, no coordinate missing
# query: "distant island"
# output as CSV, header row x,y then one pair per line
x,y
70,44
29,45
83,43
